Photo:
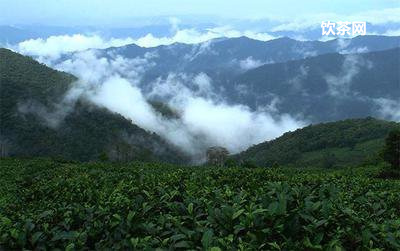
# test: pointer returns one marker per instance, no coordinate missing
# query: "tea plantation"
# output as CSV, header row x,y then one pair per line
x,y
51,205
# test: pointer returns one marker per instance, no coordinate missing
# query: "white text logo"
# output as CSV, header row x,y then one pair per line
x,y
343,28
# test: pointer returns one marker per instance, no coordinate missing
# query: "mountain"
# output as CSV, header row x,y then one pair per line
x,y
341,143
229,62
12,35
326,87
38,117
232,56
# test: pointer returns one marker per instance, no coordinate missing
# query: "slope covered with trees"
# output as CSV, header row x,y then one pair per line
x,y
324,88
33,123
342,143
322,81
223,55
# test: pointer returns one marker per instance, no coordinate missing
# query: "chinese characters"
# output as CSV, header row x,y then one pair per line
x,y
343,28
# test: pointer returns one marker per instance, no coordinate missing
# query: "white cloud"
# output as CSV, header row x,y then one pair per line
x,y
392,33
339,84
235,127
205,120
344,43
250,63
203,83
91,68
119,95
54,46
296,83
53,114
193,36
388,108
201,49
242,89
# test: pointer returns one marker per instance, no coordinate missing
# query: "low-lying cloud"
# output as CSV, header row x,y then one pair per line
x,y
204,118
215,122
339,85
250,63
52,48
388,108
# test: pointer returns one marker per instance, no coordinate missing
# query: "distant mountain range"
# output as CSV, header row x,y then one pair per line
x,y
326,87
319,81
232,56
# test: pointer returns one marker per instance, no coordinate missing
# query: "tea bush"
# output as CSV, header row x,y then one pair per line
x,y
50,205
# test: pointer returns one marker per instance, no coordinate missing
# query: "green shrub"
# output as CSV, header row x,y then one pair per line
x,y
47,205
391,151
249,164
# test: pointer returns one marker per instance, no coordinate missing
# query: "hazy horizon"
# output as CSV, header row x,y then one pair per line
x,y
123,13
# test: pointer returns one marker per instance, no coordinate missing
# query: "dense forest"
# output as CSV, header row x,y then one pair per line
x,y
336,144
37,121
326,87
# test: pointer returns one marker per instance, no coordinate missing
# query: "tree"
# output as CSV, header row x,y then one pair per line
x,y
103,157
275,165
391,151
249,164
328,160
230,162
217,155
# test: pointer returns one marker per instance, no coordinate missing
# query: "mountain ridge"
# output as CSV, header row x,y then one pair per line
x,y
333,82
350,142
34,124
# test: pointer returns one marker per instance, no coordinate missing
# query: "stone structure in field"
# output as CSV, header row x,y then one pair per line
x,y
217,155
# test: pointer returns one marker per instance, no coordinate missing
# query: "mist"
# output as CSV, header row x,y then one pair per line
x,y
52,48
204,118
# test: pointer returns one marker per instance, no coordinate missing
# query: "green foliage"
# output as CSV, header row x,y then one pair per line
x,y
83,134
389,173
391,151
328,160
249,164
164,109
335,144
51,205
230,162
319,105
275,165
103,157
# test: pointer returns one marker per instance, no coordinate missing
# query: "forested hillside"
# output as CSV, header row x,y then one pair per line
x,y
226,55
37,121
342,143
326,87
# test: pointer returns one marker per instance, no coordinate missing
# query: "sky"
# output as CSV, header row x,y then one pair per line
x,y
124,12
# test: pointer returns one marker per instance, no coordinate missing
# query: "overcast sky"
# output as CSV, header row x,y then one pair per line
x,y
111,12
